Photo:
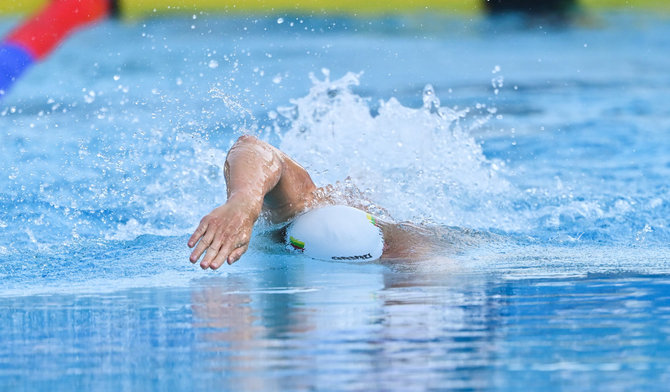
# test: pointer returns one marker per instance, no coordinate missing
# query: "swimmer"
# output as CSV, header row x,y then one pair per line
x,y
263,180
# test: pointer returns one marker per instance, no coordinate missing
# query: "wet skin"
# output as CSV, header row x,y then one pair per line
x,y
262,179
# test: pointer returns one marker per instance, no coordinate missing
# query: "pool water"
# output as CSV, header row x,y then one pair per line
x,y
545,144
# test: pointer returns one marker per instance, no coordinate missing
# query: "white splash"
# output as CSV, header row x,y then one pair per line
x,y
420,164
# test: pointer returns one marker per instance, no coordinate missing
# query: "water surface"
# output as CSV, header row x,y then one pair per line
x,y
549,141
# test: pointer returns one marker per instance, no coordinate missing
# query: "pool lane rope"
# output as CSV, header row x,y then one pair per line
x,y
34,39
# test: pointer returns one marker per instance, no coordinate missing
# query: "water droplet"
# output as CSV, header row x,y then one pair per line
x,y
90,97
430,100
280,20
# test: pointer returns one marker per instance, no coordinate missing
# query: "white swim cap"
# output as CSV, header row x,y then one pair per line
x,y
336,233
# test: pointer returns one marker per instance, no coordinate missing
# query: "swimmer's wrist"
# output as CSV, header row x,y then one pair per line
x,y
250,203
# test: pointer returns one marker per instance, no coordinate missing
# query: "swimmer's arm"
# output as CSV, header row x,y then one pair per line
x,y
259,177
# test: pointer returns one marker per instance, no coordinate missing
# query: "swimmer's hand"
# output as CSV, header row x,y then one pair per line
x,y
224,233
257,176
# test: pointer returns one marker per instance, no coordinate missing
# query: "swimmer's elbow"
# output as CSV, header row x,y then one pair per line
x,y
247,139
257,147
256,155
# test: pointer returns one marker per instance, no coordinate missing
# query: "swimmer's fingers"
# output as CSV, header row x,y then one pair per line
x,y
205,242
237,253
221,256
231,252
220,234
199,232
218,260
213,251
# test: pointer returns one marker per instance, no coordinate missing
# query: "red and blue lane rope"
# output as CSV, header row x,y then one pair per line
x,y
34,39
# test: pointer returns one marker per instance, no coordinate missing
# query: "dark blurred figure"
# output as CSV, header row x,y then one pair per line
x,y
531,7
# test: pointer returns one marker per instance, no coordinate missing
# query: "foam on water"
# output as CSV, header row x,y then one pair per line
x,y
424,165
135,159
420,164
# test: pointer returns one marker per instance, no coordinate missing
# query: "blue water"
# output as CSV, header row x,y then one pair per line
x,y
546,144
